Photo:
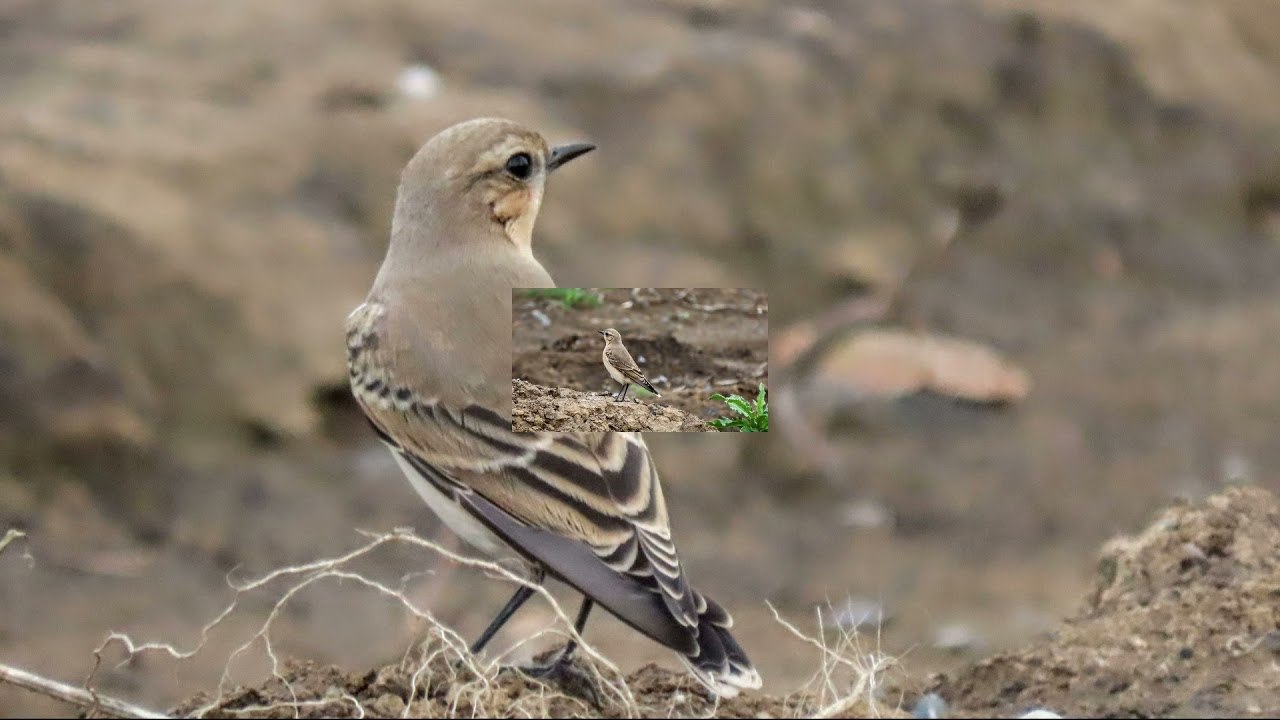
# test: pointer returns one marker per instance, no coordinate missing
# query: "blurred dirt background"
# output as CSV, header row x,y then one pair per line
x,y
192,200
690,342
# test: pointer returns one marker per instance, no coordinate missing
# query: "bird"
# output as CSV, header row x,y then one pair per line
x,y
618,362
428,358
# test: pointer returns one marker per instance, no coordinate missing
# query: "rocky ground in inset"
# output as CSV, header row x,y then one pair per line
x,y
690,343
535,407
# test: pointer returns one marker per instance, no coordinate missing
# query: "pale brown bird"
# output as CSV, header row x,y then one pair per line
x,y
620,366
428,354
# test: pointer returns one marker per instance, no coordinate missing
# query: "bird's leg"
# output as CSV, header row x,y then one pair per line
x,y
623,393
522,594
567,653
562,669
579,625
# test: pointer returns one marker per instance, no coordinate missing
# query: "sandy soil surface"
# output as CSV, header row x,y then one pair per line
x,y
1183,620
442,690
690,343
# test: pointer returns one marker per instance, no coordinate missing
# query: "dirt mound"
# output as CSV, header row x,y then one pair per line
x,y
535,407
1183,620
443,690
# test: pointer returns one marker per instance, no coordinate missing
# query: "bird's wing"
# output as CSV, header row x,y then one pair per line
x,y
589,506
622,362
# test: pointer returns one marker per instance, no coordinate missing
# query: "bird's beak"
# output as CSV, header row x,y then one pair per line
x,y
602,334
562,154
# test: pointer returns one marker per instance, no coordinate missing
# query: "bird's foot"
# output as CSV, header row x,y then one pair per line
x,y
566,675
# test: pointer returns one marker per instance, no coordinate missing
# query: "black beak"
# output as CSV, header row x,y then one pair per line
x,y
602,332
562,154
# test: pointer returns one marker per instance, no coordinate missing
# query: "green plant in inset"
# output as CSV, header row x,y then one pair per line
x,y
569,297
755,415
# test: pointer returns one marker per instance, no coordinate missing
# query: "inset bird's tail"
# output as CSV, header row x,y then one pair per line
x,y
720,663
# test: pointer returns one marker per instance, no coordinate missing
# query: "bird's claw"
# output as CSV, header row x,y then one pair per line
x,y
568,677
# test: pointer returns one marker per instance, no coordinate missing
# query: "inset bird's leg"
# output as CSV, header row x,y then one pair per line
x,y
522,594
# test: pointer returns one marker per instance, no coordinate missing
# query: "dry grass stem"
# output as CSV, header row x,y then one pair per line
x,y
470,681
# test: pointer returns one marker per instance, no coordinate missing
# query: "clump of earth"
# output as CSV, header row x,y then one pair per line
x,y
1183,620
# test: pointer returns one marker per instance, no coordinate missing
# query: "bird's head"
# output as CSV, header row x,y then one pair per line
x,y
610,335
485,174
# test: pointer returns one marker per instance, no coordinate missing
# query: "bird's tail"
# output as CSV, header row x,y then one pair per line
x,y
720,662
648,386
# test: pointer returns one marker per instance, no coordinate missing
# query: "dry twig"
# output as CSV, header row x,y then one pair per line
x,y
9,537
474,692
847,679
80,697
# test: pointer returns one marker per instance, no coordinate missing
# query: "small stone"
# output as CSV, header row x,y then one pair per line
x,y
1039,714
1271,641
955,637
419,82
388,705
1186,653
930,705
865,515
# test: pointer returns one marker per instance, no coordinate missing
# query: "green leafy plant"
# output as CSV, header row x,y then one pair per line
x,y
569,297
754,415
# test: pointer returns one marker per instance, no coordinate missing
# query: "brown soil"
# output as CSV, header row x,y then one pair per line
x,y
535,407
691,343
1183,621
447,691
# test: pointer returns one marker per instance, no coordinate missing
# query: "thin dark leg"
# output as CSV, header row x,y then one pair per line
x,y
623,394
563,658
522,594
578,625
571,679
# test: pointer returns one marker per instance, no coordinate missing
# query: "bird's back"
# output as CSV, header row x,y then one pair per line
x,y
449,331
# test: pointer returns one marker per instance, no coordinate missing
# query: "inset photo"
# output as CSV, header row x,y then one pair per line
x,y
640,359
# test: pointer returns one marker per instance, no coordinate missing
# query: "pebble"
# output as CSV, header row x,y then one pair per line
x,y
541,317
1039,714
930,705
955,637
1271,641
389,705
419,82
865,515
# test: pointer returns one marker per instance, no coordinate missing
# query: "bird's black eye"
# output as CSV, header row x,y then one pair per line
x,y
520,165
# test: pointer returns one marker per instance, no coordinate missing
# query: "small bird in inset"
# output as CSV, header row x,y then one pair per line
x,y
428,354
620,365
